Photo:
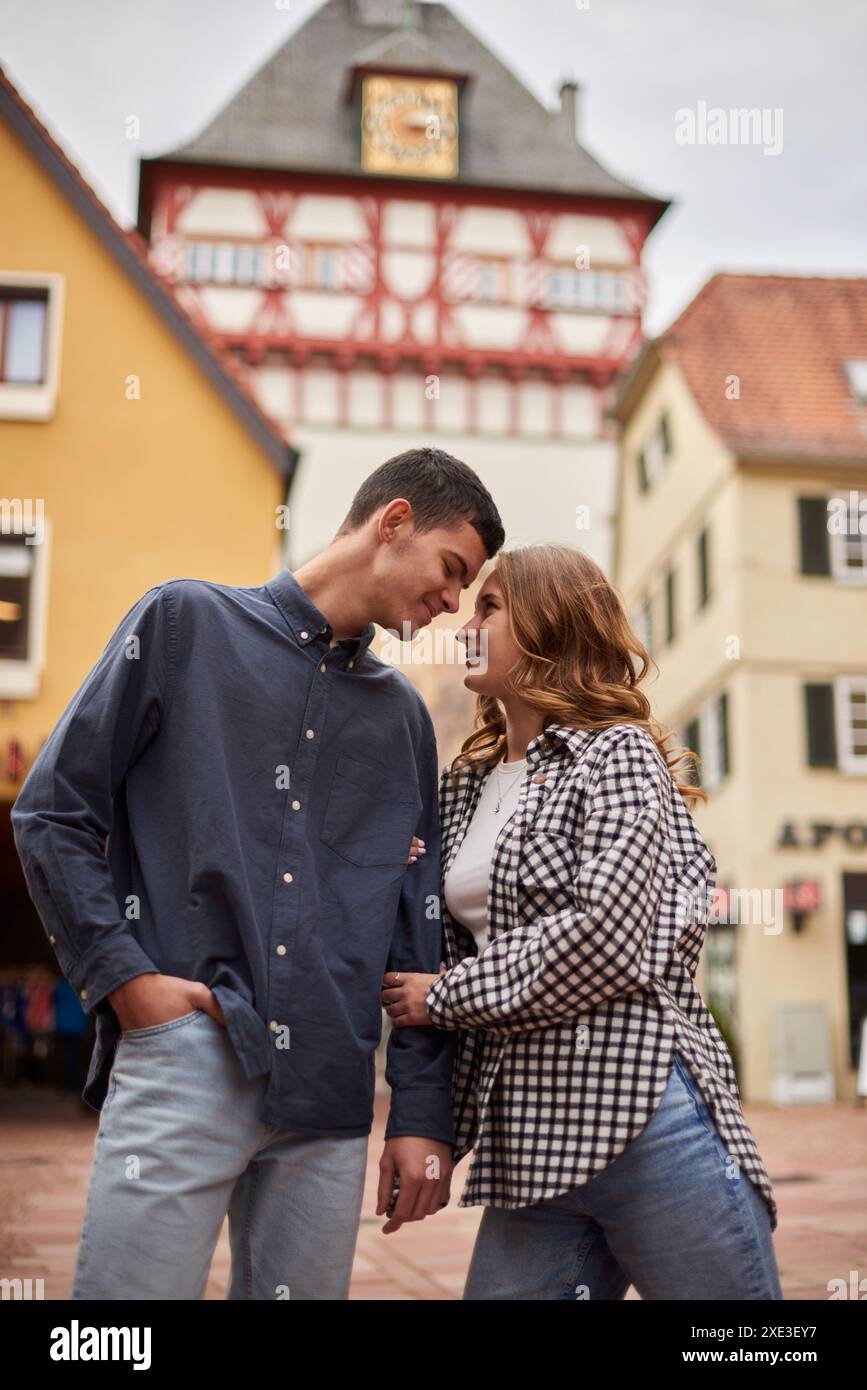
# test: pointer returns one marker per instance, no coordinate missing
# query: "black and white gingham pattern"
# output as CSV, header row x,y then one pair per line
x,y
598,901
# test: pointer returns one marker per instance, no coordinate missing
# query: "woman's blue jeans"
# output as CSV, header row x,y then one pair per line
x,y
665,1217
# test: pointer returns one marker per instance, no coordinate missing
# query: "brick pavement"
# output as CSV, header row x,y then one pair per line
x,y
816,1155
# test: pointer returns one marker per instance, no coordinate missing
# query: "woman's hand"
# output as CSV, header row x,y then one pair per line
x,y
416,848
403,995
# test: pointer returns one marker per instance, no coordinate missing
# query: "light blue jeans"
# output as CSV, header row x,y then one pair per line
x,y
179,1145
664,1217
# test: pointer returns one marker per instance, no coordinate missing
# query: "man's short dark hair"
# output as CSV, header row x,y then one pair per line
x,y
442,490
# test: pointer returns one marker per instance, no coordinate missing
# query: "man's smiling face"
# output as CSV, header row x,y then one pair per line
x,y
420,574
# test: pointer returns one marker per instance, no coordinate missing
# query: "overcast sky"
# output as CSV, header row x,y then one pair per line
x,y
87,65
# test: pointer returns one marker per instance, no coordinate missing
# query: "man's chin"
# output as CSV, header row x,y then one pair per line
x,y
406,629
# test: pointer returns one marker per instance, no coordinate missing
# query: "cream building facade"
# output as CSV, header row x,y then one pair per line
x,y
741,554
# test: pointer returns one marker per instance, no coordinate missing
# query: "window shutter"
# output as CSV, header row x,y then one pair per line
x,y
670,623
815,548
642,471
821,729
725,769
703,569
665,432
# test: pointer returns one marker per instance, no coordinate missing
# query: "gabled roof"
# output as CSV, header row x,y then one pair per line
x,y
404,51
293,113
787,339
131,253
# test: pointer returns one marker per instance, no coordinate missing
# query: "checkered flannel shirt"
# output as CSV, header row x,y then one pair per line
x,y
567,1023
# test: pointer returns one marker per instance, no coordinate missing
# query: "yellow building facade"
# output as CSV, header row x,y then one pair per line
x,y
130,453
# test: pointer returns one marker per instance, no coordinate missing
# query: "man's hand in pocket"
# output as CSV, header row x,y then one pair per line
x,y
150,999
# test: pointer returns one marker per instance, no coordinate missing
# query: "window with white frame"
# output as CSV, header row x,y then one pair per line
x,y
848,542
224,262
642,620
23,600
492,281
856,375
30,321
707,734
605,291
850,696
651,458
23,321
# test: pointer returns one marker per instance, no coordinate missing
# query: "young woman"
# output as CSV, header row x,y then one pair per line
x,y
590,1079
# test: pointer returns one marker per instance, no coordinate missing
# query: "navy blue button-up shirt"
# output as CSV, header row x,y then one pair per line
x,y
230,797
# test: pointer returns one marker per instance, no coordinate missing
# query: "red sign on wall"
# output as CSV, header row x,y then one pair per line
x,y
802,895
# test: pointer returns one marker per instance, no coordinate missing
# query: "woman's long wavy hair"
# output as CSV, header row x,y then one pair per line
x,y
579,658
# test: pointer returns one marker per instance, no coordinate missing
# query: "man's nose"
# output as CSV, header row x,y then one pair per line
x,y
449,601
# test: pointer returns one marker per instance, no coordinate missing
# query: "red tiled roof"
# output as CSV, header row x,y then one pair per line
x,y
229,373
786,338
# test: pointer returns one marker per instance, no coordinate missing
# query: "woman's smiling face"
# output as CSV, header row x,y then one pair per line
x,y
490,647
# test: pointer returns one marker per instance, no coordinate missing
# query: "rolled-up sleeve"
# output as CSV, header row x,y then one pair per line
x,y
420,1061
619,928
63,814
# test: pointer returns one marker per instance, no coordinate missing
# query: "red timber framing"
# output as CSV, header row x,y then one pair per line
x,y
167,188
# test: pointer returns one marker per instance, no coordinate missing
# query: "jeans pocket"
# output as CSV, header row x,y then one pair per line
x,y
701,1106
131,1033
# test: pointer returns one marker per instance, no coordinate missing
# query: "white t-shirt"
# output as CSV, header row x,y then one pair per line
x,y
465,887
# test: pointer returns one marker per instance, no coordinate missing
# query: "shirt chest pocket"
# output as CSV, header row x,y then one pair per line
x,y
370,817
548,865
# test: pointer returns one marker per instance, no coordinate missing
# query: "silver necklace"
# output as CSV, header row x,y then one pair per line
x,y
500,793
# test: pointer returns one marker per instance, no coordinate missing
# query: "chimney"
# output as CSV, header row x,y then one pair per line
x,y
569,98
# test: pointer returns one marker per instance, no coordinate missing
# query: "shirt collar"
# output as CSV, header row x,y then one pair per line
x,y
309,625
573,740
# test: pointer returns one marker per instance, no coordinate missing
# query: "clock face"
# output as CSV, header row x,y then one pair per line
x,y
409,126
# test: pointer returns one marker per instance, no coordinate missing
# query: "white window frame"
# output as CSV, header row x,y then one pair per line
x,y
848,758
655,452
710,734
840,544
36,400
20,680
642,617
856,376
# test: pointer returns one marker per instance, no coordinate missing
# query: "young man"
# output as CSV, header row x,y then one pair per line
x,y
261,774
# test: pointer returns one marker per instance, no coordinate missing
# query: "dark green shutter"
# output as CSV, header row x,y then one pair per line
x,y
669,607
815,549
821,728
642,472
724,731
703,569
666,433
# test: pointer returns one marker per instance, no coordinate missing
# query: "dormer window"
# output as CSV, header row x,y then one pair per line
x,y
856,375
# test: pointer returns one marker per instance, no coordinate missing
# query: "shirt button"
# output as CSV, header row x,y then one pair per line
x,y
287,878
296,805
310,734
281,950
333,642
350,664
322,665
52,939
273,1025
305,635
83,993
540,777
